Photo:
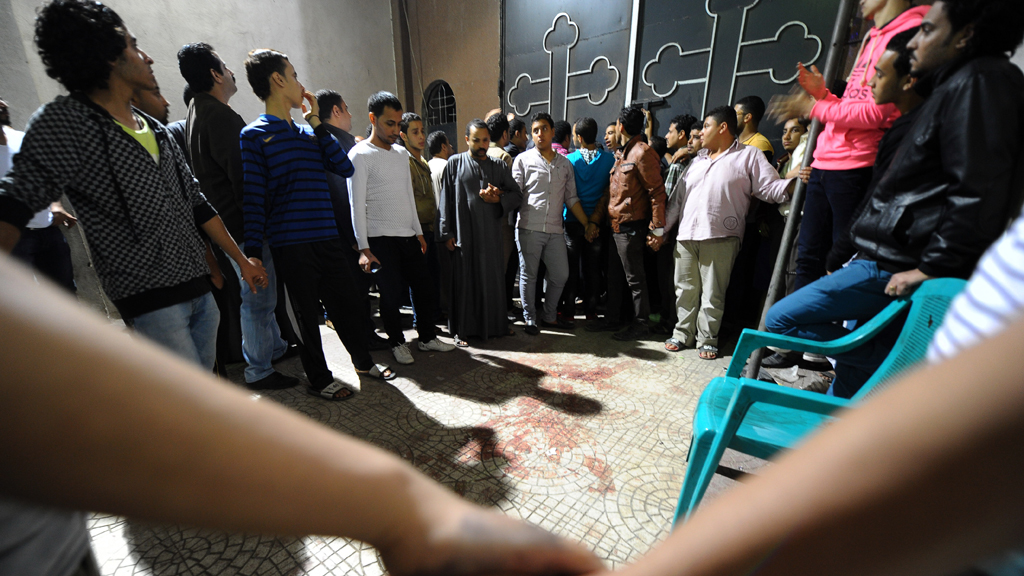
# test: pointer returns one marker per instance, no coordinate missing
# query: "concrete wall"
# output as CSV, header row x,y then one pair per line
x,y
346,45
457,41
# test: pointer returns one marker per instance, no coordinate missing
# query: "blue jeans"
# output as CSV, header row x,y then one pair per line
x,y
188,329
261,336
816,312
832,198
533,247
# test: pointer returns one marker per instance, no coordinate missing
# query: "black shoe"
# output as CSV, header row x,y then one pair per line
x,y
290,352
634,331
375,342
276,381
603,325
531,330
559,324
777,360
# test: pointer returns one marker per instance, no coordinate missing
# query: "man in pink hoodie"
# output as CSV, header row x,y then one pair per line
x,y
846,148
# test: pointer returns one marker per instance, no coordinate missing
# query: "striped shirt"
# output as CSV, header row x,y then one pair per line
x,y
381,194
992,300
286,198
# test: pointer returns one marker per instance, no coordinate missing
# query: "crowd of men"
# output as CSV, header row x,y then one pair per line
x,y
642,227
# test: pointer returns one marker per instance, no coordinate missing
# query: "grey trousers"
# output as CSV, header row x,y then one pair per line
x,y
534,247
702,275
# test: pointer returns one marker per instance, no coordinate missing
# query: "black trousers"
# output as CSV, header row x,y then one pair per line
x,y
316,272
46,250
402,264
629,243
584,271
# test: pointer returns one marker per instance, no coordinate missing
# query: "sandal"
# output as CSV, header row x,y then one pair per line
x,y
334,391
707,352
381,371
460,343
673,345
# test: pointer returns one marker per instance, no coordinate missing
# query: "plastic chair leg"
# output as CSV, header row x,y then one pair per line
x,y
699,446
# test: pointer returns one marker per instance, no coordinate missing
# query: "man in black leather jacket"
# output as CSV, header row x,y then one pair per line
x,y
952,186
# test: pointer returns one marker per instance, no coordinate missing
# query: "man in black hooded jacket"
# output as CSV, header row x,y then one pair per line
x,y
948,193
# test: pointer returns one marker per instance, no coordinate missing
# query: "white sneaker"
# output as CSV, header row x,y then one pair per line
x,y
436,345
402,354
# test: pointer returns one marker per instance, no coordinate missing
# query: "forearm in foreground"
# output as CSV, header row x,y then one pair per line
x,y
923,479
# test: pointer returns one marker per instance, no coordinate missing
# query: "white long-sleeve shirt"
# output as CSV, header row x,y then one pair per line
x,y
380,193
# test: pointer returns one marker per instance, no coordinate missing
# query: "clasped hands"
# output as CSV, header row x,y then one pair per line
x,y
491,194
655,242
254,274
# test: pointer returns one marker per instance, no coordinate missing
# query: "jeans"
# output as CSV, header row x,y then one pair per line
x,y
261,336
46,251
832,198
402,263
189,329
584,271
533,247
816,312
629,243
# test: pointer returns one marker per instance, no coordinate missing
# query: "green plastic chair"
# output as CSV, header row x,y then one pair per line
x,y
760,418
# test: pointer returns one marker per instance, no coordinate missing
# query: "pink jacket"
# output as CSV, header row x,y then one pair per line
x,y
855,124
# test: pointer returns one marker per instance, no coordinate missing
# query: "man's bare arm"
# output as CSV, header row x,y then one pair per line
x,y
923,479
146,435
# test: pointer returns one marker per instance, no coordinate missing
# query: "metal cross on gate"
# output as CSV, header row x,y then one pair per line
x,y
723,57
558,42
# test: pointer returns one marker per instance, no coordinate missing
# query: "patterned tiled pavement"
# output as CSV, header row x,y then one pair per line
x,y
573,431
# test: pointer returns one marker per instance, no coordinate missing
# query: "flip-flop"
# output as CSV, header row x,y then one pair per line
x,y
707,352
331,391
381,371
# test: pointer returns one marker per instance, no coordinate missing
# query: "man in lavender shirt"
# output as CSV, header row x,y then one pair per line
x,y
711,214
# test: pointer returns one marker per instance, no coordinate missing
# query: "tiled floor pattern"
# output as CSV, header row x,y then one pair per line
x,y
578,433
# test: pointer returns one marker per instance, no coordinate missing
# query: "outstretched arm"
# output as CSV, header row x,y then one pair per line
x,y
129,424
922,479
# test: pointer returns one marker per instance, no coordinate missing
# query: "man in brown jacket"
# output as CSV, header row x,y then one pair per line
x,y
636,209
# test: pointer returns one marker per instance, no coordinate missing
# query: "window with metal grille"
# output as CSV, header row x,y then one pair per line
x,y
440,104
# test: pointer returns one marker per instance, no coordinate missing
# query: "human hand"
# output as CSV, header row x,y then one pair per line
x,y
253,273
491,195
680,155
466,540
812,81
796,104
450,244
592,232
62,218
655,242
366,259
903,283
804,174
312,110
423,243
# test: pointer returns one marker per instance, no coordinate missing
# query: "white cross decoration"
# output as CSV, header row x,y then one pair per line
x,y
557,105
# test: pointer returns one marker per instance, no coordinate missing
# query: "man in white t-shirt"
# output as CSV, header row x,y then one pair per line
x,y
42,246
387,228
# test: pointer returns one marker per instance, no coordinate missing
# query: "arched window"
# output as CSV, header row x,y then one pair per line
x,y
439,104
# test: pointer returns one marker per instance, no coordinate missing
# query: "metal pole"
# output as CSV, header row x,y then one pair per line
x,y
835,52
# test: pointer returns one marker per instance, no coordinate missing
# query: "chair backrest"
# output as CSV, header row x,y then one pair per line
x,y
927,309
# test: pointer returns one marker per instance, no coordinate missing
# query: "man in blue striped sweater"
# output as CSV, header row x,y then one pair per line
x,y
287,203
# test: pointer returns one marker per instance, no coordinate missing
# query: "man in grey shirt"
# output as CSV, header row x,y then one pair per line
x,y
548,184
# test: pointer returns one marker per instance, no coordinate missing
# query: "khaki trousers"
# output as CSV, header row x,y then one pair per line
x,y
702,277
